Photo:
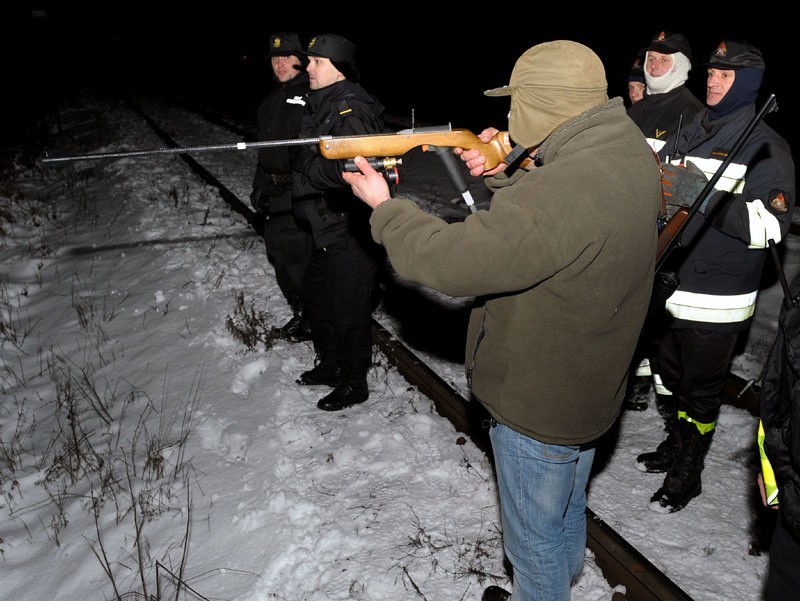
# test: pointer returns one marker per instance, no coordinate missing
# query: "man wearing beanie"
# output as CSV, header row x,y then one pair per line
x,y
562,265
719,263
667,101
636,82
341,282
288,244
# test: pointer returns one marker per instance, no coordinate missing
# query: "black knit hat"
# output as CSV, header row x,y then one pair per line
x,y
667,42
736,55
284,44
637,72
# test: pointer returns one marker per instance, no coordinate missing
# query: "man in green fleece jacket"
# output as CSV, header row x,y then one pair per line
x,y
562,265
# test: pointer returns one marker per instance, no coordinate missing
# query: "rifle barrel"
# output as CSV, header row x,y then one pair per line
x,y
391,138
235,146
184,149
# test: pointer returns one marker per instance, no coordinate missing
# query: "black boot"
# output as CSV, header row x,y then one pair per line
x,y
682,482
660,460
495,593
352,391
638,395
325,373
297,329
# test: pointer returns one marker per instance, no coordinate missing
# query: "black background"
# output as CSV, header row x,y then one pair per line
x,y
436,65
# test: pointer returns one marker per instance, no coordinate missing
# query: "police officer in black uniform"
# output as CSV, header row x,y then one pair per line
x,y
341,284
288,240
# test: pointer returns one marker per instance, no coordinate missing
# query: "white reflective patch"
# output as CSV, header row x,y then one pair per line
x,y
730,181
659,386
711,308
655,144
764,226
241,145
296,100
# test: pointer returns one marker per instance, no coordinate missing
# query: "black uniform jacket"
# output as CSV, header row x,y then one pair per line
x,y
321,196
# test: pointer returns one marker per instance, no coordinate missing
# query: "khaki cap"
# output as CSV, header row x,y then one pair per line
x,y
550,84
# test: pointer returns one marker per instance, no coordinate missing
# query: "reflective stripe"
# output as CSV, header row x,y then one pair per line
x,y
767,474
732,180
643,369
711,308
659,386
703,428
764,225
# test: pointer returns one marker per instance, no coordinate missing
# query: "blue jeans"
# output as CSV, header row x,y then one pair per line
x,y
542,491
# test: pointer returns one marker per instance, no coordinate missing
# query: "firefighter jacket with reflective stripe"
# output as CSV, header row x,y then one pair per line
x,y
723,248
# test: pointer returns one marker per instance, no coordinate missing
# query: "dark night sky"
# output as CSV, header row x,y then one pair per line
x,y
436,65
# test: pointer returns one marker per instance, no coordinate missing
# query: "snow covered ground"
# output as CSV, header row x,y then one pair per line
x,y
143,443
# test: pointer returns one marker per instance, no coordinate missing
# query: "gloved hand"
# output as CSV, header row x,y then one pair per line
x,y
259,201
681,186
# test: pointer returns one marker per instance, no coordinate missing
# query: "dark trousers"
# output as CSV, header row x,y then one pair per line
x,y
693,365
339,290
783,575
289,251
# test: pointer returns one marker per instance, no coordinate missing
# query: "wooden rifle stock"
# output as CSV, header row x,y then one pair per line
x,y
670,230
349,147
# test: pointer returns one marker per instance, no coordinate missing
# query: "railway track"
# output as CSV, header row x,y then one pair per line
x,y
621,563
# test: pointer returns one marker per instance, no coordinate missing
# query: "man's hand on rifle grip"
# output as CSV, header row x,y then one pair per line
x,y
367,184
475,159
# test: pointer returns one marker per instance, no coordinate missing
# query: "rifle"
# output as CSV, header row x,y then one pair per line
x,y
342,147
381,150
669,236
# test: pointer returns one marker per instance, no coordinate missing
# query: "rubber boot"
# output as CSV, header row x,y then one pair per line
x,y
682,482
660,460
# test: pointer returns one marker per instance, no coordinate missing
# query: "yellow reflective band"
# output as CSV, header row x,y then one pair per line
x,y
767,473
701,427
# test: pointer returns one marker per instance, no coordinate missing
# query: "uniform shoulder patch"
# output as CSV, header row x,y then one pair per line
x,y
778,201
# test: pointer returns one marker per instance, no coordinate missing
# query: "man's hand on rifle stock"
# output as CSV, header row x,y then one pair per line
x,y
475,160
367,184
